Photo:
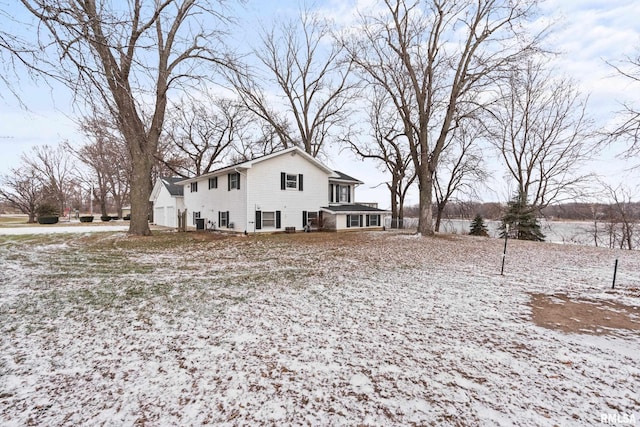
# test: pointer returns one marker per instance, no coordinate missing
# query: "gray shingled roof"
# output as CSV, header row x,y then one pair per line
x,y
172,187
345,177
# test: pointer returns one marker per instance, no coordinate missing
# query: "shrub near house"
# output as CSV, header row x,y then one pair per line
x,y
47,213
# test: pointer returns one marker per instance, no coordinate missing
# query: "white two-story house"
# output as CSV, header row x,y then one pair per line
x,y
285,190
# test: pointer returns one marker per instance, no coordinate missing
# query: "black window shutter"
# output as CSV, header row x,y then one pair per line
x,y
367,220
349,195
258,220
219,218
228,219
330,193
304,219
283,181
348,221
228,182
238,175
278,219
337,193
300,182
360,221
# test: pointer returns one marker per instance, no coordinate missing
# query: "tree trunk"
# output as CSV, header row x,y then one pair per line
x,y
394,205
425,222
140,193
118,202
439,212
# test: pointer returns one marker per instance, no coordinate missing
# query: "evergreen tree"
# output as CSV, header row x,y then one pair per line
x,y
522,221
478,227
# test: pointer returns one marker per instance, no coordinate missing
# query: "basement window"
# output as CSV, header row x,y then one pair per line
x,y
268,219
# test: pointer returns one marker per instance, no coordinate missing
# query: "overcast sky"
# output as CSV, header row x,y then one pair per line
x,y
588,33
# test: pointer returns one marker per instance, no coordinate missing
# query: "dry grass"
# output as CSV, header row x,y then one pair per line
x,y
583,316
308,328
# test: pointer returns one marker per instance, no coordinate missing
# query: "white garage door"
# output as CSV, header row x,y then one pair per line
x,y
158,216
171,219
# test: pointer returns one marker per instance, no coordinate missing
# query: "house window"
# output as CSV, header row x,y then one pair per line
x,y
268,219
234,181
374,220
353,220
292,181
344,194
312,219
213,182
194,187
196,215
223,218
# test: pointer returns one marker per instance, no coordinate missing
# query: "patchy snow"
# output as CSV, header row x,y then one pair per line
x,y
314,328
43,229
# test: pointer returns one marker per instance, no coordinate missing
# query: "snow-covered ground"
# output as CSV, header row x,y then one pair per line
x,y
14,231
315,328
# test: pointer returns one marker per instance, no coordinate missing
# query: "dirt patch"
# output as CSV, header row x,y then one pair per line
x,y
583,316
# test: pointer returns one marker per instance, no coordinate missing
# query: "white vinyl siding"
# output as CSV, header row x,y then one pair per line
x,y
267,190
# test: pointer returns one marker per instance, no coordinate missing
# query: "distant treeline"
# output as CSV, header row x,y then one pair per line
x,y
565,211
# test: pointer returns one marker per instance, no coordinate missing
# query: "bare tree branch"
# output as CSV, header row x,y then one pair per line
x,y
437,60
543,135
128,59
628,130
389,148
310,78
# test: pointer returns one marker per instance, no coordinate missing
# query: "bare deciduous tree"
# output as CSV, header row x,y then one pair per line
x,y
108,161
203,132
436,59
390,149
621,218
128,59
257,140
54,168
629,129
307,72
461,170
543,135
22,189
